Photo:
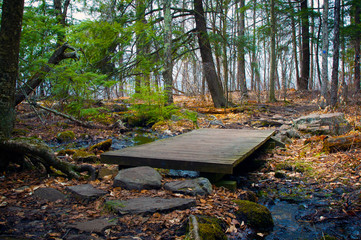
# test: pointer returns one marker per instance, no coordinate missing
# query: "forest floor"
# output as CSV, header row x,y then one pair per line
x,y
311,193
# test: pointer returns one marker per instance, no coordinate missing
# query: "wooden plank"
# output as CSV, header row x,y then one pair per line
x,y
204,150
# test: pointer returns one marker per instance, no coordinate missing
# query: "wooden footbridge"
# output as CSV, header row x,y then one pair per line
x,y
204,150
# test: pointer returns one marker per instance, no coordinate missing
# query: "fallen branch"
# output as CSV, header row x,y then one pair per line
x,y
333,144
81,123
43,154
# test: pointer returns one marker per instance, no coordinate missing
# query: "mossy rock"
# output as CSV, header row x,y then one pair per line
x,y
248,195
66,136
254,215
209,228
64,152
84,156
102,146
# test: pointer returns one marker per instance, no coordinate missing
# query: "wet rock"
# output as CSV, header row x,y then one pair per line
x,y
254,215
86,192
247,195
193,187
206,227
331,123
96,225
149,205
49,194
138,178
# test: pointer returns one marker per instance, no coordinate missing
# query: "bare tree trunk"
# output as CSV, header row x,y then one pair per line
x,y
357,46
324,97
214,85
168,71
241,76
10,32
336,50
294,42
272,77
305,66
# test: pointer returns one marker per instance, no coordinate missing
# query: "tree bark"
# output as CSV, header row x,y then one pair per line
x,y
58,55
357,45
324,98
10,32
272,77
214,84
336,50
305,66
241,76
168,69
294,42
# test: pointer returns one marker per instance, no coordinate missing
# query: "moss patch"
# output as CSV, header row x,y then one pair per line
x,y
210,228
102,146
66,136
255,215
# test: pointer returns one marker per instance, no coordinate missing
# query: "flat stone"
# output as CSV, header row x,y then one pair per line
x,y
138,178
193,187
149,205
96,225
86,192
49,194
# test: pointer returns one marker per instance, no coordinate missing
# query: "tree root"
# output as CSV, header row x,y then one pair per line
x,y
38,152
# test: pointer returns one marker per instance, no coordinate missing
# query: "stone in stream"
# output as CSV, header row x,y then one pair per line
x,y
138,178
193,187
49,194
96,225
86,192
149,205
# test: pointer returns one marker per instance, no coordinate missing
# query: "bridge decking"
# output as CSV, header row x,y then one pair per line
x,y
203,150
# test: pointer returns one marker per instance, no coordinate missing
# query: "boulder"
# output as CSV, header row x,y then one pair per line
x,y
193,187
138,178
330,123
105,172
144,205
86,192
254,215
49,194
96,225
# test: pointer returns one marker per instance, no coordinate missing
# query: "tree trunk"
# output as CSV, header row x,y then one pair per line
x,y
214,84
241,76
357,45
305,66
294,42
10,32
168,70
272,77
336,50
60,13
324,98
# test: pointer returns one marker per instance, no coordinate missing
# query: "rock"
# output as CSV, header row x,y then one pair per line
x,y
96,225
84,156
86,192
49,194
66,136
254,215
231,185
193,187
107,172
182,173
138,178
102,146
149,205
292,133
206,227
247,195
331,123
266,123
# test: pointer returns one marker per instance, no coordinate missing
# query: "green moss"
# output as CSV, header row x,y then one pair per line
x,y
255,215
81,155
231,185
210,228
66,136
102,146
113,205
66,152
